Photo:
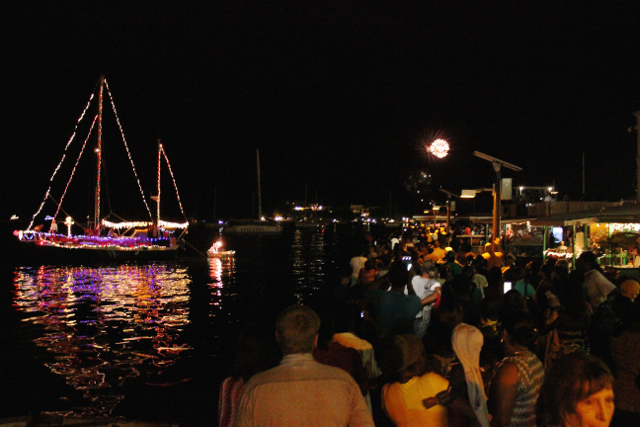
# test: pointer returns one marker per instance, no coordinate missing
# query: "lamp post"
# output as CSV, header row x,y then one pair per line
x,y
436,211
637,114
497,166
449,195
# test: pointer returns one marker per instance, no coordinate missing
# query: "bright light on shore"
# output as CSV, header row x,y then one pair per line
x,y
439,148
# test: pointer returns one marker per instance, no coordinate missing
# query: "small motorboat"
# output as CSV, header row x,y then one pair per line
x,y
216,252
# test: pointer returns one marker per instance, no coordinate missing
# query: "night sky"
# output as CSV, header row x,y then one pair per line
x,y
338,96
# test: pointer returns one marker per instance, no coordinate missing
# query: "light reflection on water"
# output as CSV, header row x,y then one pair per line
x,y
155,340
103,325
222,272
309,261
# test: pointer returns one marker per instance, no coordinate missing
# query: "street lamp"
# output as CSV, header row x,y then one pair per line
x,y
497,165
470,194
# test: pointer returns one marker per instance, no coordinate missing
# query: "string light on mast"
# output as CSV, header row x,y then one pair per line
x,y
439,148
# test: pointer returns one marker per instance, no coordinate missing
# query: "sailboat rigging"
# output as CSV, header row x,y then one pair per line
x,y
101,235
257,226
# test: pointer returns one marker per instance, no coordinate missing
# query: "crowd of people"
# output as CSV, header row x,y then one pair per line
x,y
421,335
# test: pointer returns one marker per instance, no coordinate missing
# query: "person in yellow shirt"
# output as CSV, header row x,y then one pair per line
x,y
438,253
414,400
494,254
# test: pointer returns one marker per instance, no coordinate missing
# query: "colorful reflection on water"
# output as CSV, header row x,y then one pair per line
x,y
154,340
107,325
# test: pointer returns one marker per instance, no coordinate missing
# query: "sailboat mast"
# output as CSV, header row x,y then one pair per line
x,y
159,168
259,189
99,155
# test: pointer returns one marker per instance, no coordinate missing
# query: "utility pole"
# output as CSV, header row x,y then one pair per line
x,y
259,189
637,114
497,166
215,202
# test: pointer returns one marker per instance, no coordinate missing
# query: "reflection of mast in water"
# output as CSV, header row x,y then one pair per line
x,y
104,325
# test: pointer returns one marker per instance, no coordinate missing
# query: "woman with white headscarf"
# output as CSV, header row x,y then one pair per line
x,y
467,342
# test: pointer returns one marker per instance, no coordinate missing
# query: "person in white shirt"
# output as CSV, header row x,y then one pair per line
x,y
301,391
427,287
356,263
597,287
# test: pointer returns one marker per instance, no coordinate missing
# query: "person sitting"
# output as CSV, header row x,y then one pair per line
x,y
301,391
577,391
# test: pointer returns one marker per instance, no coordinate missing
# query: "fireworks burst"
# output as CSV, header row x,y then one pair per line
x,y
439,148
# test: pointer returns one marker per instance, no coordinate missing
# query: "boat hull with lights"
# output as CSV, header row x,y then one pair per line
x,y
101,237
252,227
135,246
216,251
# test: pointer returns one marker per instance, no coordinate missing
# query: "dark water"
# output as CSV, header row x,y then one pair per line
x,y
150,341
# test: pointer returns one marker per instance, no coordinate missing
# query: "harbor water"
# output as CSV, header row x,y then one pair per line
x,y
151,341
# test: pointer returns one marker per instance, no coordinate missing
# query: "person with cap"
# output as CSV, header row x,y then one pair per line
x,y
301,391
416,398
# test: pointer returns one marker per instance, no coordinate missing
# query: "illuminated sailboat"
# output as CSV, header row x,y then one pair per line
x,y
100,236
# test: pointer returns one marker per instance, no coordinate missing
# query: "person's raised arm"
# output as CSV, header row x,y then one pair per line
x,y
431,298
